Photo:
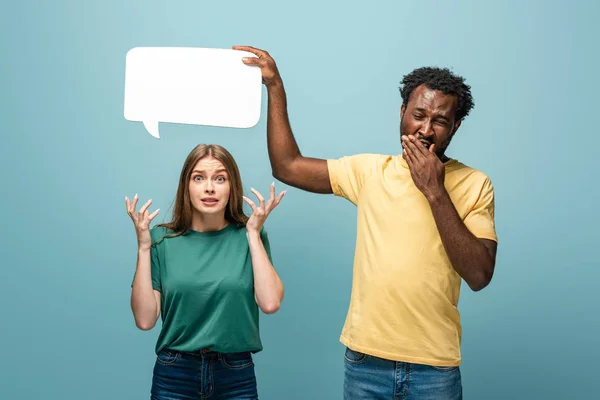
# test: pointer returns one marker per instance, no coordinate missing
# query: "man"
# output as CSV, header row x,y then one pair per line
x,y
425,221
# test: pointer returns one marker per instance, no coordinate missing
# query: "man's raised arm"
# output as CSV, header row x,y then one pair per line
x,y
287,163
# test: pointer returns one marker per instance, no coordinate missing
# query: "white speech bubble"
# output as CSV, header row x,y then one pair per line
x,y
196,86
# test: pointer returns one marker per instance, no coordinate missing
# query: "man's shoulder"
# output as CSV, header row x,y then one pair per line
x,y
366,159
464,169
467,174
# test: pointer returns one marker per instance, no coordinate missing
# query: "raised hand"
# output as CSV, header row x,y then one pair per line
x,y
426,169
270,74
262,211
141,221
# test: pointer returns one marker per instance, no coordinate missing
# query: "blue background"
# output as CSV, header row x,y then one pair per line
x,y
68,158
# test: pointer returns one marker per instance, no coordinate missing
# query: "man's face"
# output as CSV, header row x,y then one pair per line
x,y
430,117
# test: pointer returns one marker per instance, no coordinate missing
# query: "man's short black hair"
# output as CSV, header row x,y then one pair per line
x,y
439,79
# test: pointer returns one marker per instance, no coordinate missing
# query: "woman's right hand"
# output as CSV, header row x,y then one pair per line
x,y
141,220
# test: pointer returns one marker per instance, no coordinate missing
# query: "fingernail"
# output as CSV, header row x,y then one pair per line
x,y
125,198
273,184
135,197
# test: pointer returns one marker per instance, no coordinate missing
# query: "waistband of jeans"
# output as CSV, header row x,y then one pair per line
x,y
206,352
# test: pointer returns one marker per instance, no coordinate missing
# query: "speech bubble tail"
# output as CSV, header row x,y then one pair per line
x,y
152,128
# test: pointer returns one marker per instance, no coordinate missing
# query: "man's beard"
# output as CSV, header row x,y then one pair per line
x,y
439,151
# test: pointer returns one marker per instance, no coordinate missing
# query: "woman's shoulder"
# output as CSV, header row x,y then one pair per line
x,y
237,227
241,230
159,232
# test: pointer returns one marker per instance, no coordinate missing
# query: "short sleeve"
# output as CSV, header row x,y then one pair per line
x,y
480,220
264,237
348,174
156,251
155,268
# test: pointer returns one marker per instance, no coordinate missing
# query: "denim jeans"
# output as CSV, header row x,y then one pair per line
x,y
203,375
373,378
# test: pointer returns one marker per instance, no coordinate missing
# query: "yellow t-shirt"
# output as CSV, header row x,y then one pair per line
x,y
403,304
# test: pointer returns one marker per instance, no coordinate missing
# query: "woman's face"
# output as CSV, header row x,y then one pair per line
x,y
209,187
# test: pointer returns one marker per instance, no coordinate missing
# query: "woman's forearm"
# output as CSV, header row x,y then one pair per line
x,y
268,288
145,301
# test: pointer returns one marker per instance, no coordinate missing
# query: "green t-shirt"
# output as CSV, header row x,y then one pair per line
x,y
207,290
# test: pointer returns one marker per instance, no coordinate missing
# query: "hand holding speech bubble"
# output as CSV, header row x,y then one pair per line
x,y
185,85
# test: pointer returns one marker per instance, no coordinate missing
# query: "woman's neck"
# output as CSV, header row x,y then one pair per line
x,y
208,223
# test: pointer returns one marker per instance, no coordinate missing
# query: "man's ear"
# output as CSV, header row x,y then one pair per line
x,y
402,110
456,126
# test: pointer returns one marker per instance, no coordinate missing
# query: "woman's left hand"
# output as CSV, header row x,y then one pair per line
x,y
262,211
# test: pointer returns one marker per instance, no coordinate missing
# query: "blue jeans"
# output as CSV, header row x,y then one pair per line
x,y
373,378
203,375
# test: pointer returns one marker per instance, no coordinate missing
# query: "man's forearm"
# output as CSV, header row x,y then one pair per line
x,y
281,144
470,258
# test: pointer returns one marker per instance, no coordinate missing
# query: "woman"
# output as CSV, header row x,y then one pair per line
x,y
206,273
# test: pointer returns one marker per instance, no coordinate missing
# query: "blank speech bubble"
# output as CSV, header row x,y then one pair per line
x,y
196,86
